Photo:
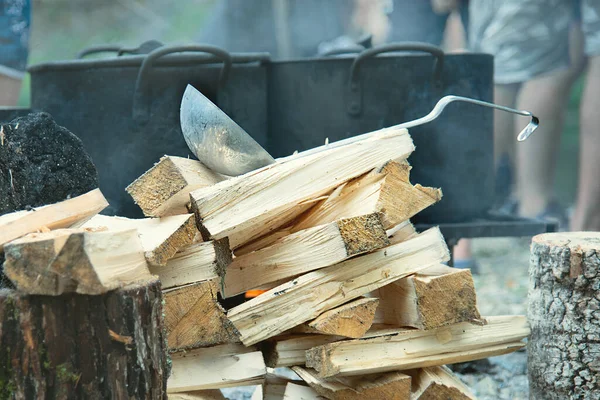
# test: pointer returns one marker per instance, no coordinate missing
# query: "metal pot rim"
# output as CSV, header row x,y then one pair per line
x,y
175,60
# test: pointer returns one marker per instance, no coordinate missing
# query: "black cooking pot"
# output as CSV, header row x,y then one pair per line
x,y
335,98
126,109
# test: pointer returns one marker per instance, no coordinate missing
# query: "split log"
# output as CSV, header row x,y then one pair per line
x,y
305,251
386,190
438,383
564,300
289,350
402,232
161,237
308,296
295,391
164,189
66,214
273,387
197,262
227,365
430,299
386,386
75,260
194,318
211,394
252,205
76,346
417,349
351,320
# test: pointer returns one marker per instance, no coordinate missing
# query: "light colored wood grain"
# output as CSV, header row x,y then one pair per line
x,y
75,261
194,318
69,213
295,391
211,394
351,320
386,189
305,251
309,295
161,237
273,388
197,262
438,383
401,232
428,300
386,386
217,367
164,189
252,205
417,349
290,349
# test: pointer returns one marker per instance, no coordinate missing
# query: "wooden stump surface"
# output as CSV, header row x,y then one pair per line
x,y
564,313
83,347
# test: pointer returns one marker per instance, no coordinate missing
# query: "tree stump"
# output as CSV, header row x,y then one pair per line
x,y
83,347
564,313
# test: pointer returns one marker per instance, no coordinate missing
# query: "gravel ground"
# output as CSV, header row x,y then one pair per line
x,y
501,290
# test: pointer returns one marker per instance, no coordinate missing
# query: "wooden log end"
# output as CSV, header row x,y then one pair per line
x,y
574,246
84,346
183,236
194,318
447,299
363,233
438,383
223,255
318,358
351,320
156,186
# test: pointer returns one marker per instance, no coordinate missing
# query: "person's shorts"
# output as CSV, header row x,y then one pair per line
x,y
529,38
15,17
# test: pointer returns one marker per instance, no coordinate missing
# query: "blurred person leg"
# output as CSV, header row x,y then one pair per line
x,y
530,43
547,98
15,16
587,209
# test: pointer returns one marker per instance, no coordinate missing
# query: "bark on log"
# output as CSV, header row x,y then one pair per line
x,y
79,346
564,313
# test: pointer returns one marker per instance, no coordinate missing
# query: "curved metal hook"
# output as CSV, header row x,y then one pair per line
x,y
444,101
437,110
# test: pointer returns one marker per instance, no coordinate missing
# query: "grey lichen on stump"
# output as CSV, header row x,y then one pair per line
x,y
79,346
564,313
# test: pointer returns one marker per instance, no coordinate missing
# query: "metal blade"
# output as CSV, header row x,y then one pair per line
x,y
217,141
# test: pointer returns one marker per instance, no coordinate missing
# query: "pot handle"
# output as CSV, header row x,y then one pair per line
x,y
97,49
143,48
355,104
141,107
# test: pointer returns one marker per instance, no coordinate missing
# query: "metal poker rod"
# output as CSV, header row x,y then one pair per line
x,y
437,110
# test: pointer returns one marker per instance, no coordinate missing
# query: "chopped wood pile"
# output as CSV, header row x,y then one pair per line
x,y
352,298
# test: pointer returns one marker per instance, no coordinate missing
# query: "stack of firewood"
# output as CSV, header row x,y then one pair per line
x,y
351,297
